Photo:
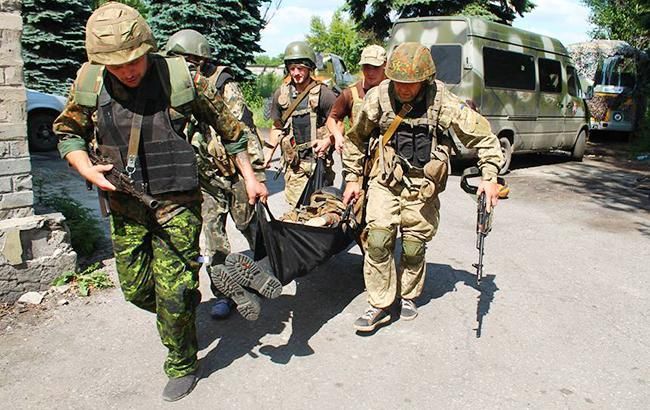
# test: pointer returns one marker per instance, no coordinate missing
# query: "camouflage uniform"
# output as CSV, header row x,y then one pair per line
x,y
155,250
405,197
304,126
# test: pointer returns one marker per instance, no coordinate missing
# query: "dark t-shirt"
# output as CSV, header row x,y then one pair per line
x,y
301,125
343,105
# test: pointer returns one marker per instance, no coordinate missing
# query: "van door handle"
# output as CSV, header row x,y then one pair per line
x,y
560,105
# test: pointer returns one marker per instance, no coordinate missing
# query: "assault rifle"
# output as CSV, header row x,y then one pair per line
x,y
483,217
122,182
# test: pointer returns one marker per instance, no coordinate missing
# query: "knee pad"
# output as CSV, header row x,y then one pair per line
x,y
413,251
380,244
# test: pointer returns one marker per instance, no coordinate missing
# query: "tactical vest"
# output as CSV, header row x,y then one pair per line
x,y
313,99
166,161
357,103
415,137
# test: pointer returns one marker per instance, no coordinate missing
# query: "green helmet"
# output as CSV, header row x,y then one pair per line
x,y
117,34
188,42
410,63
300,51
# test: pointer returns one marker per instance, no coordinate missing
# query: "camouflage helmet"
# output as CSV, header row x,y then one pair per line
x,y
410,63
188,42
117,34
300,51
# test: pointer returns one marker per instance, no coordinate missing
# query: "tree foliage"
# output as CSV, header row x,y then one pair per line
x,y
341,38
231,26
139,5
53,42
376,15
627,20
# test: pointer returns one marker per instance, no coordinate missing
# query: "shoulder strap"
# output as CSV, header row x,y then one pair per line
x,y
88,85
355,93
299,98
181,87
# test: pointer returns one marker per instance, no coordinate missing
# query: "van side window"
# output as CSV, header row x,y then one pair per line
x,y
550,76
448,61
507,69
572,81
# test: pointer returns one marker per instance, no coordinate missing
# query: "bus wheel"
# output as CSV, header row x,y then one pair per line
x,y
506,150
578,150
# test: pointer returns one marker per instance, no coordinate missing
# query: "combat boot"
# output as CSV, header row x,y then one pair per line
x,y
177,388
248,304
248,274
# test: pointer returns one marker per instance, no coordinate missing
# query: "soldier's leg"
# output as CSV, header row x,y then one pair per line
x,y
419,223
294,184
175,270
383,215
213,240
243,213
133,254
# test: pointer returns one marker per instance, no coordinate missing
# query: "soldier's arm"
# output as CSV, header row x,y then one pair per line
x,y
356,137
474,131
74,128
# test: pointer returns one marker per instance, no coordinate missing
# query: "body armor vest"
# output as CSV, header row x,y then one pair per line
x,y
313,99
357,103
166,161
415,137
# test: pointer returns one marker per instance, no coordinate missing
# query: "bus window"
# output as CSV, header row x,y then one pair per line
x,y
550,75
507,69
572,81
448,60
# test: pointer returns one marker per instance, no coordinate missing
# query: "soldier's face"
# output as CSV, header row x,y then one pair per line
x,y
406,92
372,75
299,73
131,73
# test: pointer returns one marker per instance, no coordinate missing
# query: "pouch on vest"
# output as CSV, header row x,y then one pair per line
x,y
289,151
220,157
437,170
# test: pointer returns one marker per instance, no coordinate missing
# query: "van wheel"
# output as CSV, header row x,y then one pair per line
x,y
506,150
578,150
40,135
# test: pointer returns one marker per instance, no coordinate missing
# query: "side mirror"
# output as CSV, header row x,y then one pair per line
x,y
589,93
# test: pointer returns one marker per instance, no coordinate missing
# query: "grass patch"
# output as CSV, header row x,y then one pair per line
x,y
89,279
85,231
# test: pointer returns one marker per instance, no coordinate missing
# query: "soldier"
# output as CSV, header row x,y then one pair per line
x,y
348,104
299,110
132,104
408,109
222,189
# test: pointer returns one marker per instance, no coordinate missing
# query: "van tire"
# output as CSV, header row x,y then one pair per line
x,y
40,135
506,150
578,150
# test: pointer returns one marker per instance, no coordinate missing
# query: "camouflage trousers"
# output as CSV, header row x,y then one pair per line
x,y
388,211
157,269
295,180
217,204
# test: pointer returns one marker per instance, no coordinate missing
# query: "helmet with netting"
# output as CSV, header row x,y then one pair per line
x,y
410,63
188,42
117,34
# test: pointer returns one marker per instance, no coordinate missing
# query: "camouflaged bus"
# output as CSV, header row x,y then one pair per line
x,y
524,83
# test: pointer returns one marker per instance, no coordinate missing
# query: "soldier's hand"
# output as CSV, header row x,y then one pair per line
x,y
255,190
321,146
491,190
352,190
95,175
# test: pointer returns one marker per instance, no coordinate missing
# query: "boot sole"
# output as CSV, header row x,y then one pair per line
x,y
248,274
370,328
248,305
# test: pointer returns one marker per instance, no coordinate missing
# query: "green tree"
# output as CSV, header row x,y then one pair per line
x,y
341,38
627,20
376,15
139,5
53,42
231,26
263,59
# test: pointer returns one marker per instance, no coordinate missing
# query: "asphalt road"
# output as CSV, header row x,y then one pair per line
x,y
563,319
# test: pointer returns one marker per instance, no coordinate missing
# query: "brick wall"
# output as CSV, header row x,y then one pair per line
x,y
16,196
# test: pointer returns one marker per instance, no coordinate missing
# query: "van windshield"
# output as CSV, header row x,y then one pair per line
x,y
447,59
